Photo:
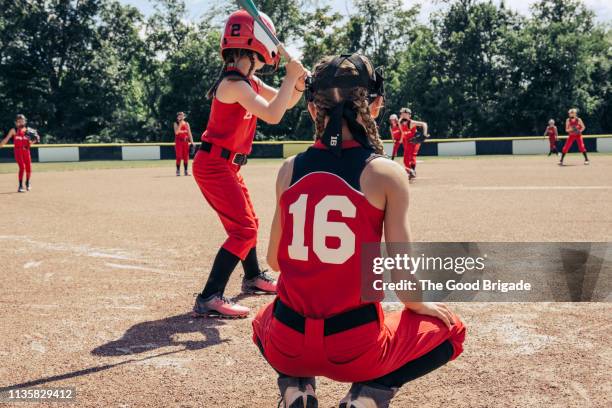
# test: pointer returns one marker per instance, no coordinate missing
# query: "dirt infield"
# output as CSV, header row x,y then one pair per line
x,y
98,270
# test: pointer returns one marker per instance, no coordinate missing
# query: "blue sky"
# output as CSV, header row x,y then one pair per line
x,y
603,8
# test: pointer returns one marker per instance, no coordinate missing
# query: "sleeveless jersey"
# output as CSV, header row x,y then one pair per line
x,y
396,132
575,123
407,131
551,131
325,219
231,126
183,133
20,140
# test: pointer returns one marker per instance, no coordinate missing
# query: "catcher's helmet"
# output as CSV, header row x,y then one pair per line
x,y
242,32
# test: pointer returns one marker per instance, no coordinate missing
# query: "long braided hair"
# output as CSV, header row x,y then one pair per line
x,y
326,99
231,57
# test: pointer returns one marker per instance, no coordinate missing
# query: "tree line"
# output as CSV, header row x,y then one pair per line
x,y
100,71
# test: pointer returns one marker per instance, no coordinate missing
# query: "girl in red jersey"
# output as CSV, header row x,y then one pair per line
x,y
331,200
551,132
182,140
411,149
22,140
239,98
396,134
574,126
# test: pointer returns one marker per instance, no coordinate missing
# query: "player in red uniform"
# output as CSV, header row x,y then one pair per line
x,y
23,138
574,126
239,99
396,134
338,195
411,147
182,140
553,134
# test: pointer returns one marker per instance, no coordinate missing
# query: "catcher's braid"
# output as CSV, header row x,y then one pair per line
x,y
327,99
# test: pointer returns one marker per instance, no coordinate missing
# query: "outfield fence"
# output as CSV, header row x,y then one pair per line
x,y
276,149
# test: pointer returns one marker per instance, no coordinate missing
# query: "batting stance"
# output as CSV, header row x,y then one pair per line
x,y
238,99
339,194
412,140
574,126
396,134
182,140
553,135
23,138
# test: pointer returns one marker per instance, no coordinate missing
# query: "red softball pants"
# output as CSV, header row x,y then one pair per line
x,y
360,354
24,161
396,145
223,187
570,141
182,152
410,154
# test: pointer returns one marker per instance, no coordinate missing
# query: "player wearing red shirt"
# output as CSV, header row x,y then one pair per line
x,y
338,195
239,98
396,134
574,126
182,140
551,132
23,138
411,146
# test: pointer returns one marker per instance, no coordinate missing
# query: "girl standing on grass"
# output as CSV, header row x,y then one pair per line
x,y
239,98
23,138
182,140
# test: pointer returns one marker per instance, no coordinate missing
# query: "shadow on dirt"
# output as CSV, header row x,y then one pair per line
x,y
144,337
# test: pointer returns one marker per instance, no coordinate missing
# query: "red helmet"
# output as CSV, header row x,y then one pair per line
x,y
241,32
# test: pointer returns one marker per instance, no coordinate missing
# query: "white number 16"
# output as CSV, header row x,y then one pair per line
x,y
322,228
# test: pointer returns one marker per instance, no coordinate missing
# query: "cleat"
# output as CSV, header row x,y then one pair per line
x,y
178,173
21,189
586,163
365,396
187,173
560,163
411,174
262,283
28,187
297,392
218,306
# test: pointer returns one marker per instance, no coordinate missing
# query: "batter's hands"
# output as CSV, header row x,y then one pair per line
x,y
434,309
295,70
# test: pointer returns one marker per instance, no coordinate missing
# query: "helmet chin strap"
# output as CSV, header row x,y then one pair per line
x,y
332,136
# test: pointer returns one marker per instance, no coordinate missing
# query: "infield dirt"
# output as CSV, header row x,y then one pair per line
x,y
98,269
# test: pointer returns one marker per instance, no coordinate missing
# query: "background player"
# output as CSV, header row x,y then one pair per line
x,y
23,138
331,199
182,140
411,149
574,126
239,98
396,134
553,134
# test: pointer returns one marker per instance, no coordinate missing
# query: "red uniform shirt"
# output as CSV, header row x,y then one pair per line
x,y
324,223
231,126
407,131
574,123
552,132
396,132
20,140
182,135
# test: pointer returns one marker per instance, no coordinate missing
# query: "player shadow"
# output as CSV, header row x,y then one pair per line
x,y
140,338
146,336
10,192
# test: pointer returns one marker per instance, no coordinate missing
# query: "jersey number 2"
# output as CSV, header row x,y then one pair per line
x,y
322,228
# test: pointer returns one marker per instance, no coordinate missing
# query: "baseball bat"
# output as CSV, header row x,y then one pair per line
x,y
250,8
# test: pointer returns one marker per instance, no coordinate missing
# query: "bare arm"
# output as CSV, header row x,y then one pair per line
x,y
10,134
176,128
422,125
282,183
582,125
567,126
269,93
190,135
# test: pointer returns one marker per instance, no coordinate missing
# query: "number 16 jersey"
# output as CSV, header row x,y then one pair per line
x,y
325,220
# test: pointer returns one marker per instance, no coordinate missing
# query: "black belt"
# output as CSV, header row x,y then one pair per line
x,y
332,325
239,159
